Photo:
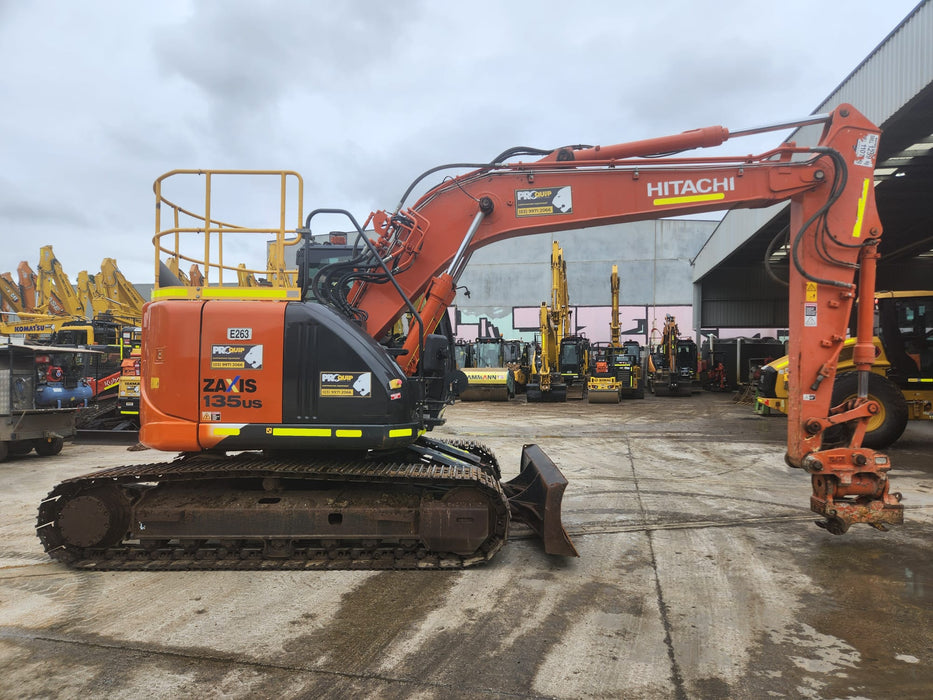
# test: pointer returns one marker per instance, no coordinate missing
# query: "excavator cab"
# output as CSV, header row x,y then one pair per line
x,y
574,364
463,354
517,356
313,255
491,378
627,363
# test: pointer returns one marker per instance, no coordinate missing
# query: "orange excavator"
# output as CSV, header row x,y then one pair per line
x,y
301,416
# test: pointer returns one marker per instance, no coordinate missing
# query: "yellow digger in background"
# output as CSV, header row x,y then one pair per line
x,y
615,369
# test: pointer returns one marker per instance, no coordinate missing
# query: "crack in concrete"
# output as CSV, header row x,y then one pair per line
x,y
676,675
239,661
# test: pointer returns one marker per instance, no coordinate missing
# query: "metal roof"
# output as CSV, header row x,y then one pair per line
x,y
893,87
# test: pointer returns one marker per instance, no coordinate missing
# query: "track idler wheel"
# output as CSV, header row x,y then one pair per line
x,y
96,518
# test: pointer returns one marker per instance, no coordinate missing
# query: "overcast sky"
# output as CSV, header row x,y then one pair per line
x,y
97,99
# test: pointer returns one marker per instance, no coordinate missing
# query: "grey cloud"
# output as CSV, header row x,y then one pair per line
x,y
251,53
361,97
20,208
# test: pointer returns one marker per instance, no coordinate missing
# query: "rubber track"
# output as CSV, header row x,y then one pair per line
x,y
233,555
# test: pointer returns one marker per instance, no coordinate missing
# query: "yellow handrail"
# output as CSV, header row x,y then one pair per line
x,y
168,240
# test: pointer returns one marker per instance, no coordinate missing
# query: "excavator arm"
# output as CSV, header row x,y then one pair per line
x,y
125,300
615,337
835,231
11,294
27,286
89,296
554,324
56,295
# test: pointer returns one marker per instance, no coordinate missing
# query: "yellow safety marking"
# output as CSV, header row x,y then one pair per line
x,y
224,293
811,291
248,293
302,432
661,201
857,228
166,292
918,379
400,432
349,433
226,431
153,382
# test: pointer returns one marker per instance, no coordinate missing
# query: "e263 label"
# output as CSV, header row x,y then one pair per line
x,y
239,334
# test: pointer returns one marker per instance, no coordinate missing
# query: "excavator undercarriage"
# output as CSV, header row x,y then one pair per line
x,y
433,505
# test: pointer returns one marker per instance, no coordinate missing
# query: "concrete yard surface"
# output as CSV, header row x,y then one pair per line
x,y
701,575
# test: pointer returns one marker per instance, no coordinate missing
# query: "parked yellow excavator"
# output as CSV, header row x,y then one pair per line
x,y
545,382
673,363
615,368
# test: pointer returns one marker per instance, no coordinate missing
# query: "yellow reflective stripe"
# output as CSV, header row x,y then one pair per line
x,y
226,431
400,432
175,293
919,380
857,228
661,201
349,433
225,293
302,432
248,293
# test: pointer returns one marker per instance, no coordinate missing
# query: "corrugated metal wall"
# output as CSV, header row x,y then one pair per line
x,y
892,74
743,298
887,80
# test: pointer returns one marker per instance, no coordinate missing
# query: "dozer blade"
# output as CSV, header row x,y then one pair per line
x,y
535,496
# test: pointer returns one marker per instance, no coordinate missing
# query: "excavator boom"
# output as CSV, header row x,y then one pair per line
x,y
835,231
56,295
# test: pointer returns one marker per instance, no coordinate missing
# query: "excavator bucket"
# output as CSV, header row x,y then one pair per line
x,y
535,496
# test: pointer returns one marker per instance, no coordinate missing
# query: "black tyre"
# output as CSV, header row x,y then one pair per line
x,y
886,426
47,448
20,448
